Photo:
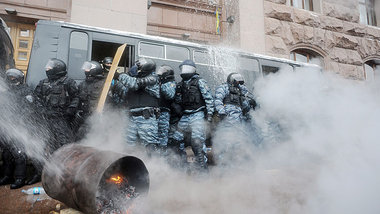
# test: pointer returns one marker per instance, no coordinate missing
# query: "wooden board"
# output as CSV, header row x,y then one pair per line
x,y
110,75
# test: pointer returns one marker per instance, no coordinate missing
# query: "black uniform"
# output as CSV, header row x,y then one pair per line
x,y
16,104
89,94
58,96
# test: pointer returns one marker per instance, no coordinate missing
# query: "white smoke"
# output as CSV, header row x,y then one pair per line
x,y
325,160
319,153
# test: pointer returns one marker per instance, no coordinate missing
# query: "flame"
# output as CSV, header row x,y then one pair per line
x,y
116,179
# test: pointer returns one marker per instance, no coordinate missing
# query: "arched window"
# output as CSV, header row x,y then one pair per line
x,y
372,69
307,56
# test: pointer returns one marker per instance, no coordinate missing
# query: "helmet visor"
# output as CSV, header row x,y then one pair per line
x,y
49,65
187,69
12,79
237,78
87,66
161,71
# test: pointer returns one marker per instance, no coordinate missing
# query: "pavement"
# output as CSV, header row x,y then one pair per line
x,y
13,201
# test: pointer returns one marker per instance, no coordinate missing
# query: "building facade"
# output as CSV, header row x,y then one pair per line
x,y
340,35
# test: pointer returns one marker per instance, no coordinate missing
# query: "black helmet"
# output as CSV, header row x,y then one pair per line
x,y
107,62
235,79
148,66
165,70
188,69
14,76
55,68
92,69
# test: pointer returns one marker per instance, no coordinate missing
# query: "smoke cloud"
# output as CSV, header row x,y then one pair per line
x,y
319,153
313,148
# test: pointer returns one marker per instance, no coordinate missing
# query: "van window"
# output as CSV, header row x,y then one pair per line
x,y
152,50
203,57
250,64
226,59
273,66
177,53
77,54
102,49
249,68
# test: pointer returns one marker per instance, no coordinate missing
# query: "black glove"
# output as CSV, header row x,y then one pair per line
x,y
146,81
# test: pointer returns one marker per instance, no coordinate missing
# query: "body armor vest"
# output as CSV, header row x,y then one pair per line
x,y
235,97
90,93
191,95
55,93
140,99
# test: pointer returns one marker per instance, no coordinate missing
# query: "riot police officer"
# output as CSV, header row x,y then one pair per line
x,y
195,98
14,157
89,94
167,91
58,95
233,100
141,96
106,63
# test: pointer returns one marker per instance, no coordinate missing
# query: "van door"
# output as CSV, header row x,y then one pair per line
x,y
249,68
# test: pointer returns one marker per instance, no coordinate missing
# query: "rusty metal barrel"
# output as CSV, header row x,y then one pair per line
x,y
79,175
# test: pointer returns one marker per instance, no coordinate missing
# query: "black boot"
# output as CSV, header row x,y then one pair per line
x,y
18,183
5,180
36,178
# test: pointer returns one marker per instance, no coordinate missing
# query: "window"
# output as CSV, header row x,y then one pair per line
x,y
203,57
249,68
270,67
177,53
307,56
302,4
225,59
372,70
102,49
152,50
367,12
77,54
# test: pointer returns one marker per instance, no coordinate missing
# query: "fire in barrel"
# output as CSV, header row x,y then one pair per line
x,y
94,181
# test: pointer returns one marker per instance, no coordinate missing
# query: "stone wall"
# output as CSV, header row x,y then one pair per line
x,y
175,19
335,33
115,14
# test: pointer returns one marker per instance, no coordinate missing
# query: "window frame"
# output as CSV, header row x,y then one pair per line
x,y
174,60
303,4
165,50
308,53
207,52
70,57
373,63
370,12
150,43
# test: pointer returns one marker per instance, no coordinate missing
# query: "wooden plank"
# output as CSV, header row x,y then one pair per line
x,y
110,75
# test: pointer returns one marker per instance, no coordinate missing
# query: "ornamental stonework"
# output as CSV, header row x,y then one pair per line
x,y
336,31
